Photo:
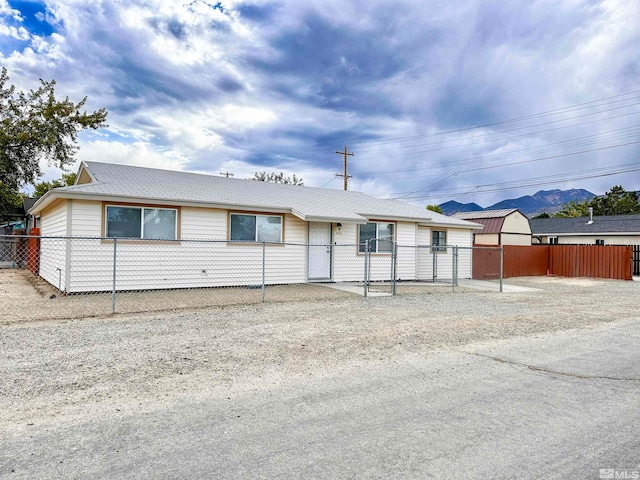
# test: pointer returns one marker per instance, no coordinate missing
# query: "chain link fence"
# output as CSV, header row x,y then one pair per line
x,y
85,276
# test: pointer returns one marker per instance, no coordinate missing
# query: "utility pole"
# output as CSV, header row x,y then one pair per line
x,y
227,174
344,175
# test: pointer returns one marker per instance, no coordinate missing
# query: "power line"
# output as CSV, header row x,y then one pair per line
x,y
476,189
566,109
404,194
579,141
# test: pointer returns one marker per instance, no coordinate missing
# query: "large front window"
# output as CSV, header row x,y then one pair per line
x,y
256,228
379,236
141,222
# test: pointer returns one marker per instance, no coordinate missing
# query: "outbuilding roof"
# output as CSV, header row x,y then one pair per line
x,y
581,225
108,181
491,225
485,214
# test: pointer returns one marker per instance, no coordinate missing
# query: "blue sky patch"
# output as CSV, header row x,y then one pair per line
x,y
34,15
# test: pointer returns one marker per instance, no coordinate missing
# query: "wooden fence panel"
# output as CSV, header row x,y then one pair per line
x,y
485,262
524,261
596,261
33,258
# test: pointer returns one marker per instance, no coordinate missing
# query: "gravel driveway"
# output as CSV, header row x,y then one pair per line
x,y
56,371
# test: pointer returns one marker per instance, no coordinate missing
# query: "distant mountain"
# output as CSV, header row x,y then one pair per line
x,y
549,201
451,207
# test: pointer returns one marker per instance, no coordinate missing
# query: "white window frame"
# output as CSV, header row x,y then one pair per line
x,y
142,208
438,247
361,247
257,215
553,240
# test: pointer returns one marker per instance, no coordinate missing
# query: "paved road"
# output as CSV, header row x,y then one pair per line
x,y
561,405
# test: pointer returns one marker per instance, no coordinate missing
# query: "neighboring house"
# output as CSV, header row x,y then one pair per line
x,y
601,230
27,203
169,208
501,227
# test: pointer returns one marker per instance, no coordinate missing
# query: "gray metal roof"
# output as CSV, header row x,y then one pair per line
x,y
173,187
601,224
485,214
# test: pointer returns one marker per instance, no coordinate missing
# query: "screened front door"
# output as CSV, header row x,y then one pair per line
x,y
319,251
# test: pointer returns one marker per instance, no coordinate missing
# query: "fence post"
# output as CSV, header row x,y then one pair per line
x,y
113,290
454,255
264,254
366,268
394,266
435,263
501,265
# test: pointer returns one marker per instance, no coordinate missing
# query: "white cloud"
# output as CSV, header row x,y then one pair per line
x,y
282,86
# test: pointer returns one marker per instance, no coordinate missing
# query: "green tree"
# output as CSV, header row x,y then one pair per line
x,y
9,200
35,126
434,208
41,188
616,201
573,209
542,215
277,178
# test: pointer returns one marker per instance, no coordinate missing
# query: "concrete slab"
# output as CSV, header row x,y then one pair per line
x,y
494,286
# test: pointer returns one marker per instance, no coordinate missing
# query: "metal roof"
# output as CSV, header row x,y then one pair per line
x,y
601,224
113,181
485,214
491,225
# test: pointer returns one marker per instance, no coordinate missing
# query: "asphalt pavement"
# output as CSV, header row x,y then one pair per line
x,y
557,405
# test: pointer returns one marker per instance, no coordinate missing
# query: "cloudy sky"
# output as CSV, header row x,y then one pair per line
x,y
438,100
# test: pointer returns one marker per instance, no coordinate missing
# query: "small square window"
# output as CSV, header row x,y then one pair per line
x,y
439,240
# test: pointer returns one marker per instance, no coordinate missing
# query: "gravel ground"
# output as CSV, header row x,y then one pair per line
x,y
27,298
59,370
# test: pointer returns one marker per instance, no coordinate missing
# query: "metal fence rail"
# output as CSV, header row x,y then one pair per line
x,y
126,275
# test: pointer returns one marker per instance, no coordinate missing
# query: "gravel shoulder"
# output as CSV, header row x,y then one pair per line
x,y
75,370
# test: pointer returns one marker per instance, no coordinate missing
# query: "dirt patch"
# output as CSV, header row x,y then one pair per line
x,y
28,298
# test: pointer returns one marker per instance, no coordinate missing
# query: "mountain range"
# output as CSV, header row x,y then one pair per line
x,y
549,201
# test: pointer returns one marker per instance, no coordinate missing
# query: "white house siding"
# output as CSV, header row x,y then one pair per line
x,y
424,256
90,262
348,264
53,251
203,257
182,264
428,259
462,238
406,261
203,223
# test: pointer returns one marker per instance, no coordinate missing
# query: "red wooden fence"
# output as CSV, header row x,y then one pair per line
x,y
33,259
596,261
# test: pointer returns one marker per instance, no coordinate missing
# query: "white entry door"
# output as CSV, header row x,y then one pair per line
x,y
319,250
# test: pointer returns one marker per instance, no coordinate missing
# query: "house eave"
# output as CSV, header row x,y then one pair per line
x,y
583,234
69,195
